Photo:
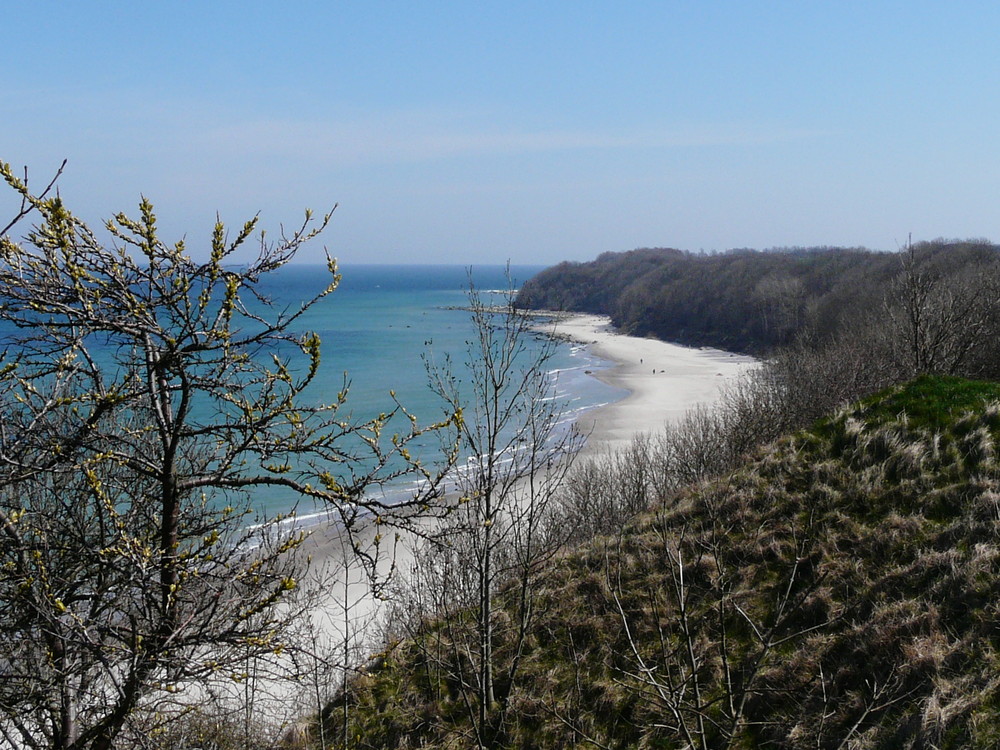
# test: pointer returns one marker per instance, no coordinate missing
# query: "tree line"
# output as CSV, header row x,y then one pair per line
x,y
745,300
668,600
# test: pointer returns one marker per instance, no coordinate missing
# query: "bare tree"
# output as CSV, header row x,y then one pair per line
x,y
681,657
497,542
780,299
142,395
936,319
604,492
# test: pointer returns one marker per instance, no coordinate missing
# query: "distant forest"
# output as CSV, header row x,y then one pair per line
x,y
747,300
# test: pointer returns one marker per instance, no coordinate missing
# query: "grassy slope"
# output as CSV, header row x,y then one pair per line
x,y
843,585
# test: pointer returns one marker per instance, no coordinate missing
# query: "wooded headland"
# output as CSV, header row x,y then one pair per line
x,y
746,300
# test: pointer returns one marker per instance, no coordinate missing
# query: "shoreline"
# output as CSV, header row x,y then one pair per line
x,y
662,380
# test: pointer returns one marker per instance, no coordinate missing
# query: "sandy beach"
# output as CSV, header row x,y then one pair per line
x,y
664,380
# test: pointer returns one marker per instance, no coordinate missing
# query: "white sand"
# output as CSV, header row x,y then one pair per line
x,y
664,380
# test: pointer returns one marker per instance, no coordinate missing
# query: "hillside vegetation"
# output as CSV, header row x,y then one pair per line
x,y
780,570
743,300
840,589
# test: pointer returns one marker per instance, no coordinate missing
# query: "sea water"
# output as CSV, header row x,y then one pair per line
x,y
384,322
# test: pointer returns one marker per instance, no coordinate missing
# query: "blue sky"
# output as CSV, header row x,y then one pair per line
x,y
475,132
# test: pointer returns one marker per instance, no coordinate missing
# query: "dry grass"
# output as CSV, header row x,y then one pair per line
x,y
841,588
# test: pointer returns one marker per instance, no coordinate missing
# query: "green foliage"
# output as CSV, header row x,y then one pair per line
x,y
931,402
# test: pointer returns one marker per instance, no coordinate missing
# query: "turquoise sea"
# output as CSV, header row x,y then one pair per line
x,y
376,330
384,319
